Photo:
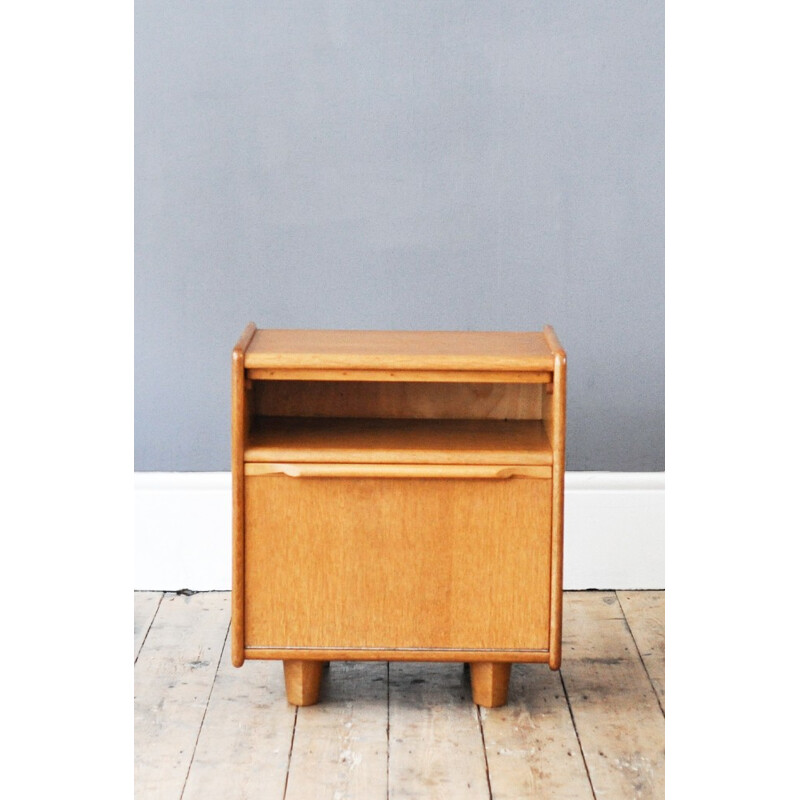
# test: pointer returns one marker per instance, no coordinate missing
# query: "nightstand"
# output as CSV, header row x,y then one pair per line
x,y
398,495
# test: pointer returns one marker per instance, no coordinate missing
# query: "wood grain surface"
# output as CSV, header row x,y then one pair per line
x,y
144,610
644,613
336,469
395,563
382,730
391,375
172,683
435,743
340,746
532,748
554,416
396,399
242,750
240,424
399,441
410,350
613,702
398,492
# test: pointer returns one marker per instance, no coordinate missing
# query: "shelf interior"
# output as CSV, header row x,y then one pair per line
x,y
397,441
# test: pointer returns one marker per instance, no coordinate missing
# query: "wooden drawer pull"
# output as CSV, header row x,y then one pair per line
x,y
300,470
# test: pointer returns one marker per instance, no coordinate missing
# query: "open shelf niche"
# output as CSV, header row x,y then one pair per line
x,y
396,422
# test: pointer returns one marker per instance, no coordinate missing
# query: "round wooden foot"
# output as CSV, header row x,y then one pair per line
x,y
489,682
302,680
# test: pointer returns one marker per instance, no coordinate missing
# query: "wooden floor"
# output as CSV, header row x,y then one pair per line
x,y
206,730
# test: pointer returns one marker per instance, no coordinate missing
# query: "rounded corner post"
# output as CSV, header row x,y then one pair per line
x,y
244,340
238,421
553,343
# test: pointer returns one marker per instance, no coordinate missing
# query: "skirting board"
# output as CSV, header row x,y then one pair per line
x,y
613,530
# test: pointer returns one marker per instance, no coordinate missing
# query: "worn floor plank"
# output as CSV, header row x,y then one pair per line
x,y
145,605
172,682
340,746
616,712
531,746
435,744
244,743
203,732
645,614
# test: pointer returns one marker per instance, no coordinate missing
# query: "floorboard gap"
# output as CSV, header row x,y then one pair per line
x,y
388,724
639,653
577,735
289,759
205,710
144,639
485,757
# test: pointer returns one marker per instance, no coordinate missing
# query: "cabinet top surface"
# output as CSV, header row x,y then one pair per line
x,y
439,350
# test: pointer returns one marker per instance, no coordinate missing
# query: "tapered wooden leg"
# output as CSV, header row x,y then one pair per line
x,y
489,682
302,680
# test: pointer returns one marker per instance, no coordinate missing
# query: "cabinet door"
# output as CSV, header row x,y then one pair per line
x,y
397,563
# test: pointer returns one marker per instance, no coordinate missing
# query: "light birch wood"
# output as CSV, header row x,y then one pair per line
x,y
243,748
396,563
435,745
145,605
240,424
616,712
340,746
554,416
402,350
302,679
396,399
397,654
172,683
384,441
337,470
403,376
644,612
489,680
345,567
531,746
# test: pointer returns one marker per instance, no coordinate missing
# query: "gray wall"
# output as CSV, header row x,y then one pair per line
x,y
426,165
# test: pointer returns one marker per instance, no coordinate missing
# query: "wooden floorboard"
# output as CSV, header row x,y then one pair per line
x,y
172,683
145,605
435,743
531,746
204,729
340,745
644,612
616,712
244,743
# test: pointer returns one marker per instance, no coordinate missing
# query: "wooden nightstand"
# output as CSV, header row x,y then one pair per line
x,y
398,496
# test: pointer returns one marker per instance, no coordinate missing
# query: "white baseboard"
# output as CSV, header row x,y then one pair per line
x,y
613,530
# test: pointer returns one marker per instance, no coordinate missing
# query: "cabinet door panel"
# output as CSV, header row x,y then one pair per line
x,y
351,563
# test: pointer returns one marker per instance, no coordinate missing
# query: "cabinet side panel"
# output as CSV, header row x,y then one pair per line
x,y
398,400
239,424
238,421
397,563
554,419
